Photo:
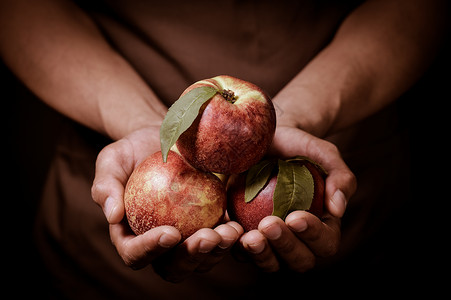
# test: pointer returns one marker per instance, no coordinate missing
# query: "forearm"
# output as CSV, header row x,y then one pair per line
x,y
58,52
379,51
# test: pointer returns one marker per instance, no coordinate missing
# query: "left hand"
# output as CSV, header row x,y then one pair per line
x,y
159,246
297,241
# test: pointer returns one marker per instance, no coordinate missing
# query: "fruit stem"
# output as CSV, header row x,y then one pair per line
x,y
229,96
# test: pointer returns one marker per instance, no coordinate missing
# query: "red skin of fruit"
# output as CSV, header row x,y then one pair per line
x,y
229,138
175,194
250,214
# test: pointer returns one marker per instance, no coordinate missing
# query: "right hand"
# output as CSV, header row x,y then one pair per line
x,y
297,242
200,252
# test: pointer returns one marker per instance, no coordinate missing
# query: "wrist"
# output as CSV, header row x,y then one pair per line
x,y
125,117
131,123
309,109
129,109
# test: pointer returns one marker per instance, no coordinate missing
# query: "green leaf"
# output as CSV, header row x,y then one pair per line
x,y
257,177
181,115
294,189
320,168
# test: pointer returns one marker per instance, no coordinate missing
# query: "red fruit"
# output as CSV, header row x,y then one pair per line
x,y
233,130
251,213
175,194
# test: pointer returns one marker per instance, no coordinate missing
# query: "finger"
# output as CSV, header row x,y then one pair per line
x,y
340,182
139,251
230,233
111,175
321,236
186,257
296,255
259,251
340,186
239,229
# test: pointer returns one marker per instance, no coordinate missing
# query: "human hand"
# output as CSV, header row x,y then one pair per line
x,y
200,252
302,237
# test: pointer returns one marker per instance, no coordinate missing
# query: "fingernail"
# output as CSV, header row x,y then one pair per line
x,y
226,243
339,201
256,248
298,225
206,246
109,208
167,240
273,232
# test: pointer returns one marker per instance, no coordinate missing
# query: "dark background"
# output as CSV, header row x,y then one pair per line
x,y
30,129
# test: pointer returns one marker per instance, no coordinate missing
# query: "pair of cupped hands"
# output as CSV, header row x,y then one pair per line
x,y
294,243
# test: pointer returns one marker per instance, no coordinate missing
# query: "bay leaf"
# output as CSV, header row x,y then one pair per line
x,y
294,189
257,177
181,115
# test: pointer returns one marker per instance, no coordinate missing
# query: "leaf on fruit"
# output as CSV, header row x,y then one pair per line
x,y
320,168
181,115
257,177
294,188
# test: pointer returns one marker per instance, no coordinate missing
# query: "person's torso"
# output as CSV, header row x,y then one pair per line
x,y
175,43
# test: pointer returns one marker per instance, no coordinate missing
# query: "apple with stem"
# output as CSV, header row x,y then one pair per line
x,y
230,124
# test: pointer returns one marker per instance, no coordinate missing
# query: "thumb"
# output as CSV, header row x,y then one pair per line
x,y
110,178
340,186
